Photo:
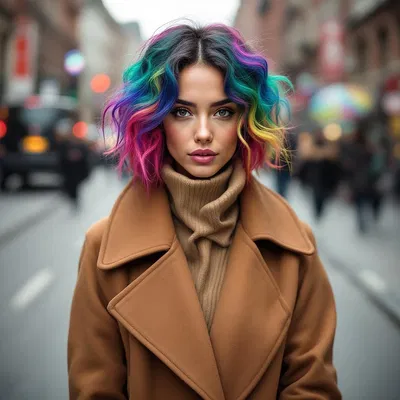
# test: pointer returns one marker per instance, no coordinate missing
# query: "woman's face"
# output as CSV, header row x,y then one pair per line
x,y
201,129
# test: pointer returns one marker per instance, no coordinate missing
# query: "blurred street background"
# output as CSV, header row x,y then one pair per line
x,y
61,59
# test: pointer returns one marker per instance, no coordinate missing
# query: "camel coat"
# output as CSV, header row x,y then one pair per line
x,y
137,330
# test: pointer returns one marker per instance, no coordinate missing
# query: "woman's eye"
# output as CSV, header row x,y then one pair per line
x,y
181,113
224,113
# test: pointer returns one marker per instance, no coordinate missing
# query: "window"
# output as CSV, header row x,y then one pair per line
x,y
383,44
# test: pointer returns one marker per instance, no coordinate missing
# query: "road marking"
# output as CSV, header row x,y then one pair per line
x,y
373,280
32,289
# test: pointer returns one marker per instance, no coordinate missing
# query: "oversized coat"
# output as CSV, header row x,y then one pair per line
x,y
137,330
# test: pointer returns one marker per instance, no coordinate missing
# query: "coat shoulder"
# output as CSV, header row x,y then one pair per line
x,y
272,197
282,212
95,233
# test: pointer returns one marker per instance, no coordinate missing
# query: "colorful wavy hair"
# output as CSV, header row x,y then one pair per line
x,y
150,89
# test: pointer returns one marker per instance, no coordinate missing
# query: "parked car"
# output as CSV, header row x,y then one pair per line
x,y
28,142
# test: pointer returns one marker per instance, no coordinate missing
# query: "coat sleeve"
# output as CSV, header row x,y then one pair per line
x,y
96,359
308,371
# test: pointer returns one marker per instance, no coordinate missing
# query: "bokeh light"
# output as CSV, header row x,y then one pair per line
x,y
3,129
80,129
332,132
100,83
74,62
306,84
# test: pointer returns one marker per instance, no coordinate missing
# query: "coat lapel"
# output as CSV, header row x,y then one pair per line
x,y
162,311
250,322
252,318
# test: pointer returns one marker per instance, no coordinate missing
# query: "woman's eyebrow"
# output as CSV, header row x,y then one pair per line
x,y
190,104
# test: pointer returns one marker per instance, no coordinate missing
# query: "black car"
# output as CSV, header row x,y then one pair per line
x,y
28,142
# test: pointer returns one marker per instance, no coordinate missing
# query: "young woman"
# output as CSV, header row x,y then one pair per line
x,y
202,283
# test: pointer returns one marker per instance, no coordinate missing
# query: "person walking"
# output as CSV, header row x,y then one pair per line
x,y
202,283
364,168
74,161
324,172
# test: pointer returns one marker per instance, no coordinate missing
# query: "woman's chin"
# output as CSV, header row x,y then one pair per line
x,y
199,171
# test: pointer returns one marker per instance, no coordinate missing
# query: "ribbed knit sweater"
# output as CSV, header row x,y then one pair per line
x,y
205,213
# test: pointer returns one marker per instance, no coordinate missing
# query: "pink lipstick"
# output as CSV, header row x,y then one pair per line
x,y
203,156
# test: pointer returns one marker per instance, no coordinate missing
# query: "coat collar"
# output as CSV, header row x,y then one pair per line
x,y
161,310
140,225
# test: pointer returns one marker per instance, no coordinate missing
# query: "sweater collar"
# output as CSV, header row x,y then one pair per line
x,y
207,207
142,224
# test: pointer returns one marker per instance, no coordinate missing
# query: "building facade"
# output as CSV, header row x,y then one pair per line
x,y
373,41
370,34
6,21
106,46
261,24
34,38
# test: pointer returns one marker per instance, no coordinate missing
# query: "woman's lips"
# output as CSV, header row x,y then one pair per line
x,y
207,159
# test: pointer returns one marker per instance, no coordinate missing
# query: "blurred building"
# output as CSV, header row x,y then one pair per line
x,y
300,37
35,36
261,24
105,45
314,39
295,33
373,40
6,19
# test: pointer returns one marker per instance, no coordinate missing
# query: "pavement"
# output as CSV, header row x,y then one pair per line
x,y
38,269
371,260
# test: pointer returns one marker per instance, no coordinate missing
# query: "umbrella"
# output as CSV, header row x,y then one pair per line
x,y
340,103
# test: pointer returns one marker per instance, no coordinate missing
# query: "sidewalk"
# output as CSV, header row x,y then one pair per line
x,y
372,261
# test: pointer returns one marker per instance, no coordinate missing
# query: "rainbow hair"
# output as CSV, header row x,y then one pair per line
x,y
150,89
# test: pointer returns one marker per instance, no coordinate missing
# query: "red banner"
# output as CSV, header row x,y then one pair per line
x,y
331,51
22,59
22,67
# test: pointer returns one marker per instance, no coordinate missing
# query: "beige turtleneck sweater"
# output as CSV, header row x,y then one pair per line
x,y
205,214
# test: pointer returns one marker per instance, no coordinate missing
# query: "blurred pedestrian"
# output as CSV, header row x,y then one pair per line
x,y
303,160
74,160
364,168
202,283
323,170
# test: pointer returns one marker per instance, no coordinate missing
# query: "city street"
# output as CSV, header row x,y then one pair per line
x,y
40,241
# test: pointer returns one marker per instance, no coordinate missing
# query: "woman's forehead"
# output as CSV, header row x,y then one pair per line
x,y
201,84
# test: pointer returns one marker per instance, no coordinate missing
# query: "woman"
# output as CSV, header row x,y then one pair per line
x,y
202,284
74,160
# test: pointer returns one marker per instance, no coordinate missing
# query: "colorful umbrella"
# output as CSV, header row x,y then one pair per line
x,y
340,103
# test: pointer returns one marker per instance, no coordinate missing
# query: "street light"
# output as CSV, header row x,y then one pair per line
x,y
100,83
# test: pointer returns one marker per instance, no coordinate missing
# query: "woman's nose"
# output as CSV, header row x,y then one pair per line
x,y
203,132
